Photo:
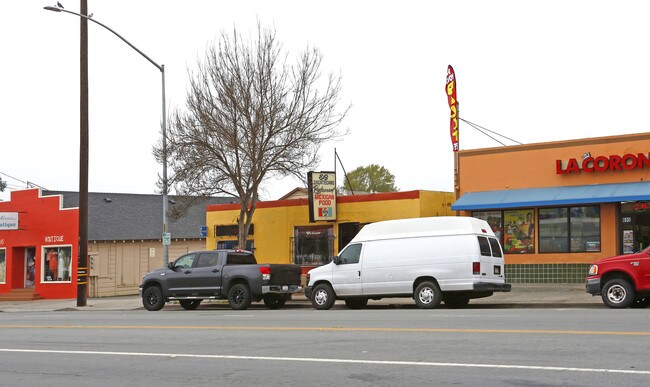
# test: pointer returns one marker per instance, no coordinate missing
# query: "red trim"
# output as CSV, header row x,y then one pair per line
x,y
340,199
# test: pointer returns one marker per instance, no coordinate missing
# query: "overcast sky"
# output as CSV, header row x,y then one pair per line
x,y
534,71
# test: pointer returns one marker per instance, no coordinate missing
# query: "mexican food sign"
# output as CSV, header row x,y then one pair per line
x,y
322,196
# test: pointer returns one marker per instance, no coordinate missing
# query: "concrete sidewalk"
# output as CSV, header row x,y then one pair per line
x,y
521,296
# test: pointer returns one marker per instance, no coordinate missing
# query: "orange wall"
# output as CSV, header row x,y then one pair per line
x,y
533,166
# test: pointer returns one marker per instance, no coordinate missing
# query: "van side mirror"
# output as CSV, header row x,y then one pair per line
x,y
336,260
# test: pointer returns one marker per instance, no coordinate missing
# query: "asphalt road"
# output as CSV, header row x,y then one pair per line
x,y
339,347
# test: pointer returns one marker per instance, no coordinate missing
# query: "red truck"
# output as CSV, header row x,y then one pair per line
x,y
622,281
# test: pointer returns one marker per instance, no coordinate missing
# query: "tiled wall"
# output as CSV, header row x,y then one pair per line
x,y
546,273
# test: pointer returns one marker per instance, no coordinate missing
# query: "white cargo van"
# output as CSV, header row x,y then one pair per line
x,y
448,258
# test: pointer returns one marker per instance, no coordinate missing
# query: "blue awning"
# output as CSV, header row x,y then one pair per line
x,y
553,196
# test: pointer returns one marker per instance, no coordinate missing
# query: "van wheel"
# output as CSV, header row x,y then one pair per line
x,y
190,304
427,295
239,297
274,301
456,302
618,293
323,297
356,303
152,298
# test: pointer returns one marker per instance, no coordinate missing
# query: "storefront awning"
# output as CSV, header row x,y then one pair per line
x,y
553,196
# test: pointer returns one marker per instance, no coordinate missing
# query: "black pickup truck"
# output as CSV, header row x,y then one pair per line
x,y
234,275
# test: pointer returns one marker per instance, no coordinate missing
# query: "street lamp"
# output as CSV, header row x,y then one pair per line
x,y
83,189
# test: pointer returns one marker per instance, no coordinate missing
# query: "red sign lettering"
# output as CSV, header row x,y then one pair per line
x,y
626,162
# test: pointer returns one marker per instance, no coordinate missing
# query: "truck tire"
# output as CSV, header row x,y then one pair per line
x,y
618,293
152,298
239,297
274,301
190,304
427,295
356,302
323,297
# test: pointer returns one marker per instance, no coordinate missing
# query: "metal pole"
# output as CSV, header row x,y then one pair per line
x,y
84,18
82,262
164,182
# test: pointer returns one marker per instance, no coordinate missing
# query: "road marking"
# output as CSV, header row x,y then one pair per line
x,y
333,329
326,360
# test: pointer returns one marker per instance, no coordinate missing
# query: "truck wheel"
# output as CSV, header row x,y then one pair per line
x,y
618,293
274,301
190,304
152,298
322,298
239,297
427,295
356,303
456,302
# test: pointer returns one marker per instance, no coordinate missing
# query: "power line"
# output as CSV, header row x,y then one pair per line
x,y
28,184
482,129
11,177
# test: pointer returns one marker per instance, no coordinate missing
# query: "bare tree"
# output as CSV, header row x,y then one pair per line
x,y
251,115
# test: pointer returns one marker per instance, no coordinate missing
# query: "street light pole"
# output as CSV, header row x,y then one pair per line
x,y
84,18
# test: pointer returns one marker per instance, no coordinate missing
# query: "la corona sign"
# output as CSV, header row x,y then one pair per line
x,y
590,164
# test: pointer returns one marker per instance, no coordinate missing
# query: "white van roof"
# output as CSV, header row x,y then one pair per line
x,y
417,227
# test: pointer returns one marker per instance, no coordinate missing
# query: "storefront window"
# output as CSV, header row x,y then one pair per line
x,y
313,245
584,224
553,230
56,264
569,230
494,219
3,266
519,228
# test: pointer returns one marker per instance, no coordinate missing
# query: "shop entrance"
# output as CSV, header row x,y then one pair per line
x,y
635,226
30,267
347,231
23,268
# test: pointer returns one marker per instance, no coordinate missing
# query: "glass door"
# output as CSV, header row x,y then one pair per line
x,y
635,226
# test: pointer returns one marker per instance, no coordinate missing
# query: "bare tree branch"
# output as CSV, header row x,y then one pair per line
x,y
251,115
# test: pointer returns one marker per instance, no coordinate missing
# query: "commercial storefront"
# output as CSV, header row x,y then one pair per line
x,y
281,231
559,206
38,240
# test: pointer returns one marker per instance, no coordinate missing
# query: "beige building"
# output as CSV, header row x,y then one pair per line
x,y
124,237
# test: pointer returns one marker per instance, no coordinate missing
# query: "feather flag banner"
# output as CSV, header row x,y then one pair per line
x,y
453,107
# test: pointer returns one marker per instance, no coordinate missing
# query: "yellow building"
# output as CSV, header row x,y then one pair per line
x,y
281,231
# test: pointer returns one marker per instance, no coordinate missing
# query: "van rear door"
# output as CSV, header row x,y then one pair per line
x,y
491,259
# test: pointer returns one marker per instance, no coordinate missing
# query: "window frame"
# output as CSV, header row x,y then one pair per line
x,y
3,255
349,247
568,237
